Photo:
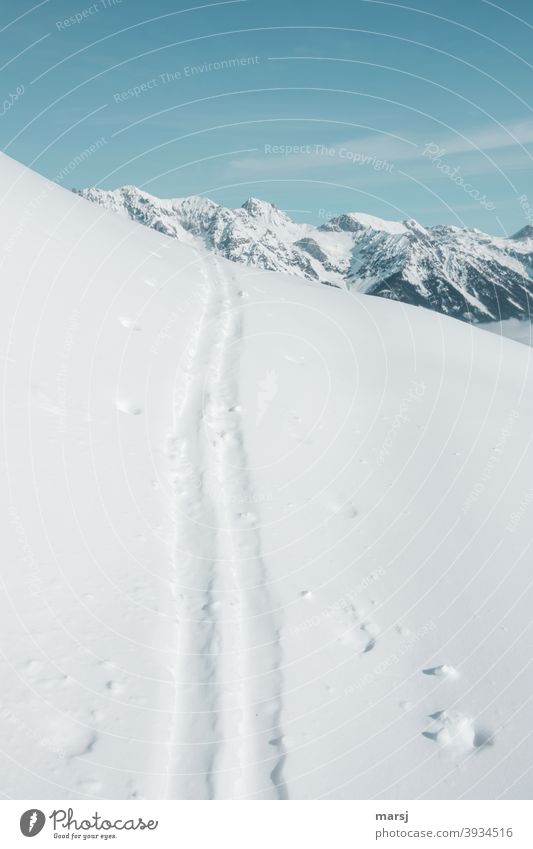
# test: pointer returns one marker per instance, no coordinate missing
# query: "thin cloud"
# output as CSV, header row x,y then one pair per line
x,y
279,156
381,152
490,138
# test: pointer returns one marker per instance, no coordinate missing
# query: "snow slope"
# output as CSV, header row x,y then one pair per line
x,y
261,539
456,271
512,328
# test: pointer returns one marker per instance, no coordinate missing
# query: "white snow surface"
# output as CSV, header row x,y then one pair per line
x,y
512,328
260,539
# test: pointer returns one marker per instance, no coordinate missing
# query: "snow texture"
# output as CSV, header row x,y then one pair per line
x,y
260,539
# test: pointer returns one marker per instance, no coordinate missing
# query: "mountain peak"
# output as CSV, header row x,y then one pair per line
x,y
523,234
456,271
256,206
355,222
264,209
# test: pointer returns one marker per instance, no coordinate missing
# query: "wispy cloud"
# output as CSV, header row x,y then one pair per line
x,y
490,138
381,152
279,156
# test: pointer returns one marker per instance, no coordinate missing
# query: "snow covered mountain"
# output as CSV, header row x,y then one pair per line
x,y
460,272
260,539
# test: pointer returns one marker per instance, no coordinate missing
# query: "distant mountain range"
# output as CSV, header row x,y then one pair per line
x,y
457,271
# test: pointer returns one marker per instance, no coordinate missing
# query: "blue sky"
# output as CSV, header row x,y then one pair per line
x,y
415,109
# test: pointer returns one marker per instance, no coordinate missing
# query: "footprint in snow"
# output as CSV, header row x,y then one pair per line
x,y
443,671
371,631
458,731
362,638
128,407
360,634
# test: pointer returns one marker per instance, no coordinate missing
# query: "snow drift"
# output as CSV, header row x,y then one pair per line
x,y
260,539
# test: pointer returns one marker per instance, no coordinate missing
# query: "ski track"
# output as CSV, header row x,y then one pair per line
x,y
226,739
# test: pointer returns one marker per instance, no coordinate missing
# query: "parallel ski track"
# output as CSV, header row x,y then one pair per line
x,y
226,738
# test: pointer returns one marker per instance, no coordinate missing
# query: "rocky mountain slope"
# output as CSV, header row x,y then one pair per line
x,y
456,271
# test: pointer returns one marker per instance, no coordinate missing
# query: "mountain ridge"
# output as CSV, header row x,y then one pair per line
x,y
461,272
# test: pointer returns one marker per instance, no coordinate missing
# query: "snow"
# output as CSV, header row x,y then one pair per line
x,y
456,271
359,221
512,328
261,539
372,222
